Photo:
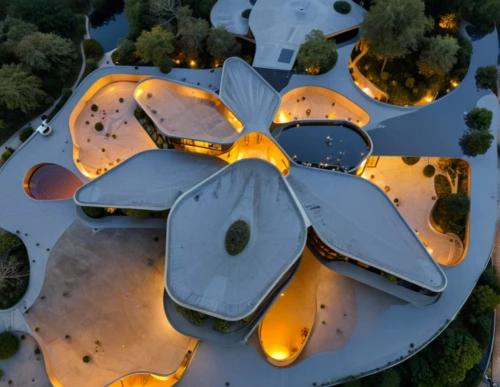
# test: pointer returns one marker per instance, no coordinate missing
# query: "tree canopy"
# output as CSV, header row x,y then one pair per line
x,y
46,52
479,118
192,32
476,142
139,17
317,54
152,46
394,28
19,89
486,78
48,15
222,44
439,55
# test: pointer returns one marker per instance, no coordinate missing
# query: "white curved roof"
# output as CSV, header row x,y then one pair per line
x,y
355,218
247,94
200,274
228,13
280,25
150,180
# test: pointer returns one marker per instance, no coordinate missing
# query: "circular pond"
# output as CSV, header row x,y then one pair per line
x,y
51,182
335,145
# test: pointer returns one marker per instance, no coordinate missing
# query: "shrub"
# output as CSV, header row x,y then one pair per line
x,y
450,213
6,155
474,143
429,170
342,7
442,186
166,65
37,351
384,75
66,93
94,107
486,78
99,126
93,49
410,83
410,160
121,100
90,65
221,325
94,212
490,278
246,13
26,133
237,237
479,118
136,214
86,359
9,344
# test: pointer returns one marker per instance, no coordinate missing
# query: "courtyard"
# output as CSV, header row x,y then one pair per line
x,y
103,298
415,197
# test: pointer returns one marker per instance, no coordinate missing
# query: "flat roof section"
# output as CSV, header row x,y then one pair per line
x,y
183,111
281,26
354,217
200,273
248,94
151,180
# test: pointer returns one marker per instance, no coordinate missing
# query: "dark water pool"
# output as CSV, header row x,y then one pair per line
x,y
52,182
326,146
109,24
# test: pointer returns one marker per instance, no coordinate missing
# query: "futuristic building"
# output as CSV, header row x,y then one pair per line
x,y
328,279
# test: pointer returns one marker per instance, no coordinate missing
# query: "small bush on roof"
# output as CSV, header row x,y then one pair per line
x,y
99,126
94,107
410,160
94,212
237,237
429,170
342,7
6,155
246,13
9,344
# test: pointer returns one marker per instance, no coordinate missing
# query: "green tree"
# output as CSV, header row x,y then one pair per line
x,y
222,44
394,28
192,32
139,17
486,78
474,143
439,55
316,55
390,378
93,49
19,89
46,53
201,8
152,46
48,15
483,299
481,13
17,29
479,118
125,53
456,206
445,362
490,278
90,65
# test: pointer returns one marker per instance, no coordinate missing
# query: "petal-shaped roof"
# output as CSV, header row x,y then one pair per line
x,y
150,180
200,274
354,217
246,93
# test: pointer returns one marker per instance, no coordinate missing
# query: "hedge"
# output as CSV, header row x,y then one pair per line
x,y
442,186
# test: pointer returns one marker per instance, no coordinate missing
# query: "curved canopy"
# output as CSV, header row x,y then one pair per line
x,y
355,218
150,180
200,273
